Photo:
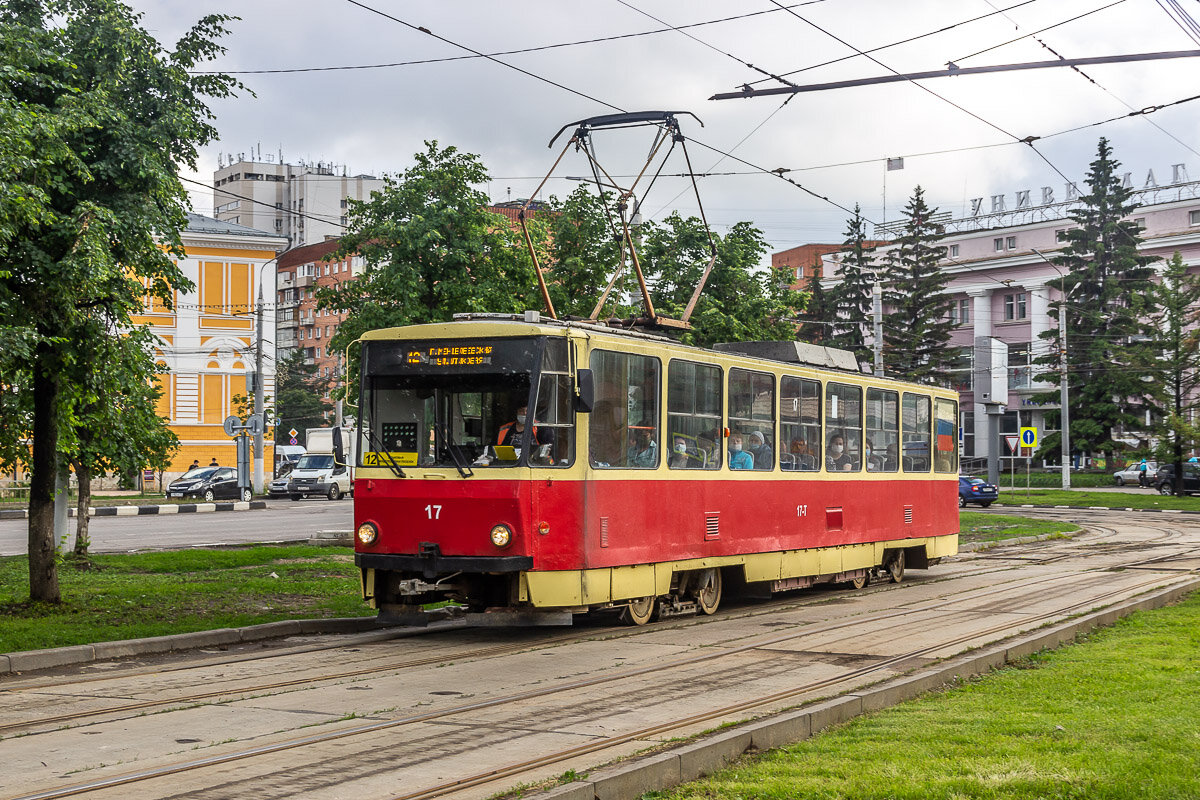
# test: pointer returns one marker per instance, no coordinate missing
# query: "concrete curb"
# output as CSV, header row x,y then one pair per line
x,y
138,511
27,660
662,770
975,547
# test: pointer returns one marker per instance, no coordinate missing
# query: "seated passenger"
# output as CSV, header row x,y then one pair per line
x,y
645,450
873,462
739,458
804,457
763,457
679,454
837,460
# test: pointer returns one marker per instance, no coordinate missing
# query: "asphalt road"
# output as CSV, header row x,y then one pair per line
x,y
282,520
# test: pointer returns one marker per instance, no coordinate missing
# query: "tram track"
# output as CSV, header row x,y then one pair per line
x,y
622,675
226,695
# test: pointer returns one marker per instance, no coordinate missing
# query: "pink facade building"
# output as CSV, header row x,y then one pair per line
x,y
999,269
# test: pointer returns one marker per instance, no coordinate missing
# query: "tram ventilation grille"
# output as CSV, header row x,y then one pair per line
x,y
908,515
712,526
604,531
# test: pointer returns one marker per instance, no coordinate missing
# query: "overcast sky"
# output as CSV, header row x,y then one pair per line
x,y
373,120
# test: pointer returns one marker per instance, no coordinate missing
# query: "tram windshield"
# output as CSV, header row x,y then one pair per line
x,y
467,404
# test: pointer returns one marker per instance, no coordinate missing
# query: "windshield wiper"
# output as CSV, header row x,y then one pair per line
x,y
460,463
391,462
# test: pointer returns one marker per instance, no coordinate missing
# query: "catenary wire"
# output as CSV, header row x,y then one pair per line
x,y
1035,33
520,51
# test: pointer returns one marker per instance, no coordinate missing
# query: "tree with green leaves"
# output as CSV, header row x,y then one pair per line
x,y
817,319
916,325
116,425
584,250
1108,298
739,302
1178,364
431,249
98,119
300,393
851,298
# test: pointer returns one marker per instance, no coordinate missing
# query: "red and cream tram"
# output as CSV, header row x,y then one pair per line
x,y
648,474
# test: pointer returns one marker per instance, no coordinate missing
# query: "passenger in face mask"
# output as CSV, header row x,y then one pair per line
x,y
836,458
679,453
739,458
873,462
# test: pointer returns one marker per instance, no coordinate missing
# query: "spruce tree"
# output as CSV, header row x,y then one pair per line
x,y
1107,298
850,300
818,317
916,327
1178,365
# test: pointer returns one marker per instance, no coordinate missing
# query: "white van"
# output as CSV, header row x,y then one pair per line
x,y
327,469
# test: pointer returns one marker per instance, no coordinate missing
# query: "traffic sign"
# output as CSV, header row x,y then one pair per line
x,y
231,422
1029,437
254,424
1012,443
293,433
295,440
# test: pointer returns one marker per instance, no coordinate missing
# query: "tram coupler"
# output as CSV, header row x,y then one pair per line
x,y
677,608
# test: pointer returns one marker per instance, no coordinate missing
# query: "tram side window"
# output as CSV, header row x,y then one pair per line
x,y
843,427
694,415
623,425
915,445
945,456
554,418
752,418
881,450
799,424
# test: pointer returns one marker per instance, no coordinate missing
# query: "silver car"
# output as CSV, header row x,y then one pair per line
x,y
1134,474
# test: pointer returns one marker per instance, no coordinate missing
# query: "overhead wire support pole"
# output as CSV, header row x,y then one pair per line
x,y
747,91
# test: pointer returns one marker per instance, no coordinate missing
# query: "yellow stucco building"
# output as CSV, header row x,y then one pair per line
x,y
209,338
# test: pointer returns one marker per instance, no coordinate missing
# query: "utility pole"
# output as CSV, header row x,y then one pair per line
x,y
877,312
1064,400
259,461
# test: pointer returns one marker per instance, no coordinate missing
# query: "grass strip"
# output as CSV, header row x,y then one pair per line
x,y
983,527
1147,498
1113,717
129,596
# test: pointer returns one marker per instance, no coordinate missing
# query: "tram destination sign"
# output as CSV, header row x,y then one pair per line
x,y
456,356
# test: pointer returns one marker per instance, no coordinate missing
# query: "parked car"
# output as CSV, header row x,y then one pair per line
x,y
1164,480
279,486
976,490
1134,474
208,483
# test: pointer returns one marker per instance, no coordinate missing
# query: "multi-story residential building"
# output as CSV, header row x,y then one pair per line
x,y
1000,270
300,325
209,336
306,203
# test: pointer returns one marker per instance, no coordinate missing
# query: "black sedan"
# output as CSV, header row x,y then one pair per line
x,y
976,490
208,484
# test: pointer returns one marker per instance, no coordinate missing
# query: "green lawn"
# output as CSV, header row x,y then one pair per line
x,y
1145,498
1115,717
153,594
977,526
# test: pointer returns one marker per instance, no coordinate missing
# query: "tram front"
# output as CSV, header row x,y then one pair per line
x,y
454,420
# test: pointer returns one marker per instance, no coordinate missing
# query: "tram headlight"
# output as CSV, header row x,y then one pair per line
x,y
367,533
501,535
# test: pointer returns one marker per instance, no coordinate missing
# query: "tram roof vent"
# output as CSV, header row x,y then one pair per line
x,y
795,353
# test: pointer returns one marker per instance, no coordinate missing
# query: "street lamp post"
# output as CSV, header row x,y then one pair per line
x,y
1063,393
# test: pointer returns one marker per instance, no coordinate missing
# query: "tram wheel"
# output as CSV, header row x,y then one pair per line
x,y
639,611
859,583
895,567
708,590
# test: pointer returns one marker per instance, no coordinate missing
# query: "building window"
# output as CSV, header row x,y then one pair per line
x,y
1140,222
1060,235
954,251
343,202
1011,243
1014,306
1194,217
998,244
960,312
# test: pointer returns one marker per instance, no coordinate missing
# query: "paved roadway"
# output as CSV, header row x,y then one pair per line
x,y
282,520
419,716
